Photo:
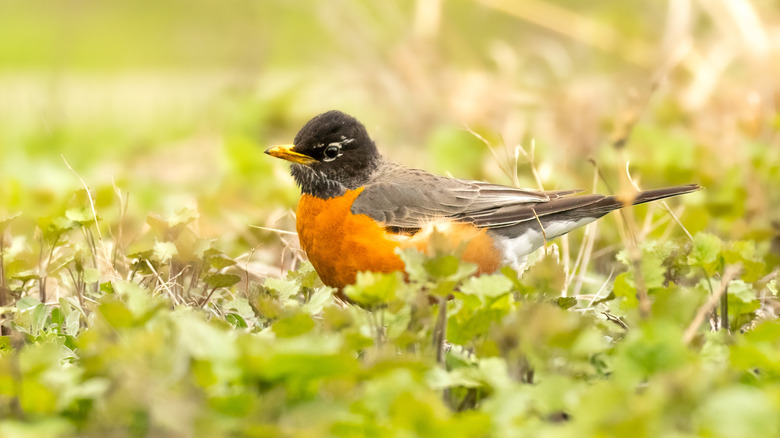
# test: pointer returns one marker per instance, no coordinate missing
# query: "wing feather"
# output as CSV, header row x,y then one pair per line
x,y
409,198
406,199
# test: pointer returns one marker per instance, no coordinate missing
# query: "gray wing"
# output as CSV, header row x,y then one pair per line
x,y
408,198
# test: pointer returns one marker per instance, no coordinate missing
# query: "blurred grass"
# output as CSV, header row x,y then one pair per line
x,y
173,101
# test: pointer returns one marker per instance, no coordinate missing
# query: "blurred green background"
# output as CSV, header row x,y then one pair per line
x,y
172,103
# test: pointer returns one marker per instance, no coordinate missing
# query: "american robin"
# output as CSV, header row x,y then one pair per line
x,y
357,208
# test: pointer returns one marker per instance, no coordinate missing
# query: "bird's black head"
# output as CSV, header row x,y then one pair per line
x,y
332,153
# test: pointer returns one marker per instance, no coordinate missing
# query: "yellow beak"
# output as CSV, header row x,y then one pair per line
x,y
285,152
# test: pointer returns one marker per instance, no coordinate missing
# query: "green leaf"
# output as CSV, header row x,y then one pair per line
x,y
27,302
439,378
191,248
236,320
741,291
57,317
624,288
53,228
487,286
653,270
442,267
73,322
140,302
305,275
64,306
221,280
611,296
220,262
37,397
171,228
141,261
439,269
284,289
321,298
5,345
209,343
115,312
80,216
39,315
158,224
705,252
471,323
678,304
544,278
164,251
649,349
372,289
107,287
743,302
413,261
567,302
25,276
183,216
335,318
652,264
40,357
738,410
294,324
91,275
745,253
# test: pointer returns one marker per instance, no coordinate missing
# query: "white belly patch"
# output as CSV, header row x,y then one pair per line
x,y
514,250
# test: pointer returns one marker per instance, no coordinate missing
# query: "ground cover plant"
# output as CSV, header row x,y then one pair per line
x,y
150,284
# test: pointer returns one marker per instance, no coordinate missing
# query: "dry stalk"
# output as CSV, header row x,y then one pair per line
x,y
103,252
162,283
730,273
586,248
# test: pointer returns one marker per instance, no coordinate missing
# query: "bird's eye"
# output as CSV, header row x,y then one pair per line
x,y
332,152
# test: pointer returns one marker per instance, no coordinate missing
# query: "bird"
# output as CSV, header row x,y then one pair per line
x,y
357,208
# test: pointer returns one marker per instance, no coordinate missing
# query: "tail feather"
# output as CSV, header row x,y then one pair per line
x,y
656,194
569,212
610,203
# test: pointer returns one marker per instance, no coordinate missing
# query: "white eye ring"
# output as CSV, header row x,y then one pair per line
x,y
332,151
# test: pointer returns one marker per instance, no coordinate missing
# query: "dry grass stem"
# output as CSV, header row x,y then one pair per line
x,y
588,241
103,251
162,283
730,273
501,163
274,230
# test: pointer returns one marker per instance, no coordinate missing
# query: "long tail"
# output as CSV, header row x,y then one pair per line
x,y
656,194
609,203
559,216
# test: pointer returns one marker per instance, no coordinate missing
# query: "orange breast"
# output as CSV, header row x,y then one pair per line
x,y
339,244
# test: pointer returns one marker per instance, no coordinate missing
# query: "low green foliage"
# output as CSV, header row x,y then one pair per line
x,y
175,340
